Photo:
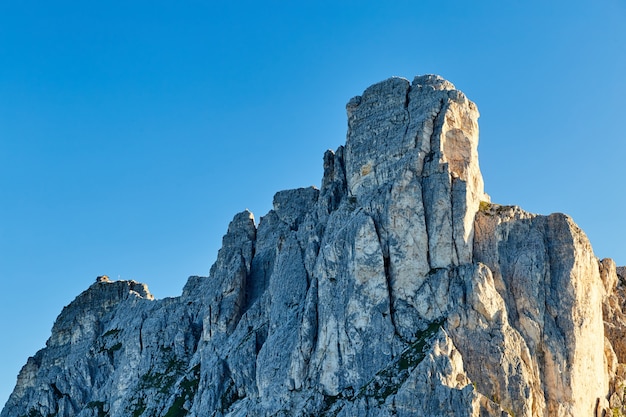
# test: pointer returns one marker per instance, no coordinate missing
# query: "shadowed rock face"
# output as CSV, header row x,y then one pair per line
x,y
397,289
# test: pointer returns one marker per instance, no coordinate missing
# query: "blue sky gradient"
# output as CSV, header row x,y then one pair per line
x,y
132,132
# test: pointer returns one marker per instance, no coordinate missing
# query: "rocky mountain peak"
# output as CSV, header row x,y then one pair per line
x,y
397,288
397,125
83,318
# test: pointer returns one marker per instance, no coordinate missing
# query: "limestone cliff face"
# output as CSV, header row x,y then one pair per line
x,y
396,289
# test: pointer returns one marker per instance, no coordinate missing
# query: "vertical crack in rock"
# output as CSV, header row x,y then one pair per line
x,y
388,281
140,338
428,253
408,114
454,209
437,197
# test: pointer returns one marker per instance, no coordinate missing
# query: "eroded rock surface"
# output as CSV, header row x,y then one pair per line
x,y
396,289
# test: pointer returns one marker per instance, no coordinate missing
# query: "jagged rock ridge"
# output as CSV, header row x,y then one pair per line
x,y
396,289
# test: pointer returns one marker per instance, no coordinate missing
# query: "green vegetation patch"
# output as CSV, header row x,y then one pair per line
x,y
491,208
177,410
188,388
229,397
484,206
140,408
112,332
164,381
99,406
35,413
115,347
387,381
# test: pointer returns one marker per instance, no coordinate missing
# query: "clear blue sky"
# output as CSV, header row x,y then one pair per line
x,y
132,132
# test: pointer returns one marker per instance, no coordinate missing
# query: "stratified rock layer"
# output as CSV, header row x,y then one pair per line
x,y
397,289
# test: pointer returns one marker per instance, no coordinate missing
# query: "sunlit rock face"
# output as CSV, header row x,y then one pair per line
x,y
396,289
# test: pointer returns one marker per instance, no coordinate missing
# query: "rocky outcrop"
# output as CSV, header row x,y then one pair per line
x,y
396,289
544,269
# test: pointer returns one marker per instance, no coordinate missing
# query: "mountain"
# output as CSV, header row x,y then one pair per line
x,y
396,289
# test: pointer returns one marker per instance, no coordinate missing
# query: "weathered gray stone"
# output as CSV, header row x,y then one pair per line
x,y
544,268
396,289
